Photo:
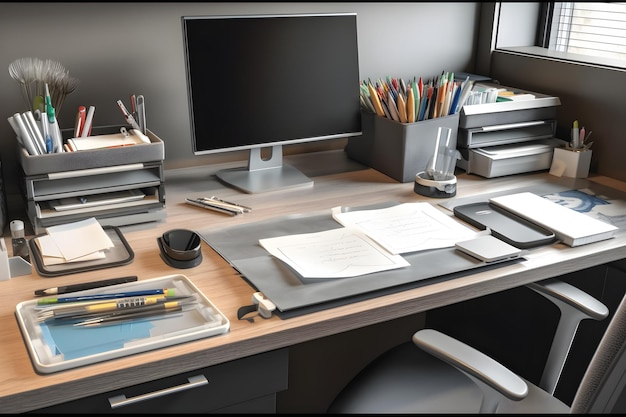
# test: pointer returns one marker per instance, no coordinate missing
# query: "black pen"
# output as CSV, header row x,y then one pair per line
x,y
84,286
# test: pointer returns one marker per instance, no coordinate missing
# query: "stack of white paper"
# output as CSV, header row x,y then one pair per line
x,y
74,242
371,241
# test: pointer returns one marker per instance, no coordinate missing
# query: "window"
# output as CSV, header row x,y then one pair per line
x,y
596,29
585,33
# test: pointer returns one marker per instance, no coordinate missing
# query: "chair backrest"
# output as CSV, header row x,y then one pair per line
x,y
602,387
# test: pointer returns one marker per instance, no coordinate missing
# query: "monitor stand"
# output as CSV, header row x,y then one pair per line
x,y
262,175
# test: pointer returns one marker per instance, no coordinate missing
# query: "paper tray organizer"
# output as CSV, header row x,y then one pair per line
x,y
497,161
93,158
92,172
542,107
509,137
55,348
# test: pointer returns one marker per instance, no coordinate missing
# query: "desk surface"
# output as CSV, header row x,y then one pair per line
x,y
22,389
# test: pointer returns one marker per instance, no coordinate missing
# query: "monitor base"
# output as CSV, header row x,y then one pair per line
x,y
264,175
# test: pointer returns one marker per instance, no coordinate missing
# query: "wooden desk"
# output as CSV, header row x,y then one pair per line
x,y
22,389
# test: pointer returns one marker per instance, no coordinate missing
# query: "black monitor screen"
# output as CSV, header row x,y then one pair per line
x,y
258,81
271,79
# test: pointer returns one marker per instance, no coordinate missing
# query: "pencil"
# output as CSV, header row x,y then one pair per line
x,y
167,292
152,313
74,311
84,286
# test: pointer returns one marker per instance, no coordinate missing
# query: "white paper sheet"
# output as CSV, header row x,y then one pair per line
x,y
335,253
75,240
408,227
51,254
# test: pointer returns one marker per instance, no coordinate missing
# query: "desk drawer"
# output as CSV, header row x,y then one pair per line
x,y
245,385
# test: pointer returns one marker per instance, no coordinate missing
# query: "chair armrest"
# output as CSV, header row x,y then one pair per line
x,y
575,305
486,372
572,296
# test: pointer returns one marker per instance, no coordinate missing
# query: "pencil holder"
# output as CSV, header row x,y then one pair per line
x,y
399,150
571,163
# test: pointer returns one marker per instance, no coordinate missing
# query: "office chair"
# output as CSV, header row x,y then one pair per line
x,y
439,374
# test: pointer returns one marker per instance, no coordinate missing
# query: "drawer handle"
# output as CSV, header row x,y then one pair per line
x,y
121,400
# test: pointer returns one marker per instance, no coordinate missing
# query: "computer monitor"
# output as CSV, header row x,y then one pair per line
x,y
264,81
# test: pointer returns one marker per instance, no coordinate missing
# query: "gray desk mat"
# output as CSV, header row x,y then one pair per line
x,y
294,295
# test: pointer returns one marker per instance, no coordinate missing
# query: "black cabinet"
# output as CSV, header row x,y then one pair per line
x,y
247,385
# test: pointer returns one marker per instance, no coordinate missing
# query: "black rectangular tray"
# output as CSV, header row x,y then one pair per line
x,y
120,254
505,226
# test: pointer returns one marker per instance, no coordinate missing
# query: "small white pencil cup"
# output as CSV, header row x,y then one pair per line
x,y
571,163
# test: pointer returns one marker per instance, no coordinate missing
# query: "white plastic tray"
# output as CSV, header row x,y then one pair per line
x,y
55,348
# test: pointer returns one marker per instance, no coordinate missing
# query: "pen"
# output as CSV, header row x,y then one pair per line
x,y
213,198
78,311
219,203
46,135
84,286
81,114
53,124
99,321
64,310
168,292
129,117
86,130
208,206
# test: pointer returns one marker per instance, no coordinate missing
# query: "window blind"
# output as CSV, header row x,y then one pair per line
x,y
597,29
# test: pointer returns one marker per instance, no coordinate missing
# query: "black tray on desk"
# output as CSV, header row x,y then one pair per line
x,y
294,296
120,254
506,226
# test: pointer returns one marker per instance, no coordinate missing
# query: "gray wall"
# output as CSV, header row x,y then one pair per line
x,y
116,49
591,94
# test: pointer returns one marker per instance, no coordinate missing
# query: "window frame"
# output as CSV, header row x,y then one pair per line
x,y
505,25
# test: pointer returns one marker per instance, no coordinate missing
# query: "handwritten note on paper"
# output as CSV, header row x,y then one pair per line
x,y
406,228
335,253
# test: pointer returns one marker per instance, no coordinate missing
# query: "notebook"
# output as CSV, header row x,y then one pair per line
x,y
569,226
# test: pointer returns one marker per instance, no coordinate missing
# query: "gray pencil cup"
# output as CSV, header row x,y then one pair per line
x,y
399,150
